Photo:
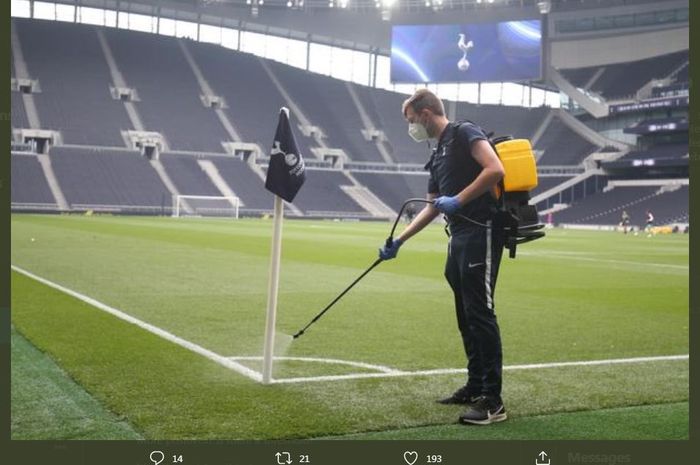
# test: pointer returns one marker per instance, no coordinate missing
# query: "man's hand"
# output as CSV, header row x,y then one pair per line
x,y
389,252
447,205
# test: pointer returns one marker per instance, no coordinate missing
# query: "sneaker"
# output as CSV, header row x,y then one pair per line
x,y
485,411
462,396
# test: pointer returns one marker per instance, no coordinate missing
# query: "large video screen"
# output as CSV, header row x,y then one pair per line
x,y
490,52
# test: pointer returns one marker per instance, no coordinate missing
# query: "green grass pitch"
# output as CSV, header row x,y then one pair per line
x,y
573,296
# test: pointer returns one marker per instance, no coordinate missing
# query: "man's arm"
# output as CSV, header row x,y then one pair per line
x,y
424,218
491,173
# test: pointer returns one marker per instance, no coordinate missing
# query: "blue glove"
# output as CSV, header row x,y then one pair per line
x,y
447,205
387,253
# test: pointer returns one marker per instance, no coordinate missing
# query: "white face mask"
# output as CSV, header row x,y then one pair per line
x,y
418,132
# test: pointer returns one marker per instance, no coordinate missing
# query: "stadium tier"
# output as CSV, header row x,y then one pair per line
x,y
327,103
502,120
322,195
659,151
394,188
366,96
168,92
123,179
580,77
74,79
623,80
18,114
252,100
247,185
387,106
683,74
562,146
75,99
667,207
29,184
544,183
187,175
606,207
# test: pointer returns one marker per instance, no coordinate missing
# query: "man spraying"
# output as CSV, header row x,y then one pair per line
x,y
464,170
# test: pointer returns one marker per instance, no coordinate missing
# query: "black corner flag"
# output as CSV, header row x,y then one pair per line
x,y
286,173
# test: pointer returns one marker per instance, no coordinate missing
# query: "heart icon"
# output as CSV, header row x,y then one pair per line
x,y
410,457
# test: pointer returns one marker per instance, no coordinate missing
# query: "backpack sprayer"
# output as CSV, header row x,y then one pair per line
x,y
515,215
518,219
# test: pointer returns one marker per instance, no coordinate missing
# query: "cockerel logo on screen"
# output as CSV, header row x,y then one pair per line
x,y
464,46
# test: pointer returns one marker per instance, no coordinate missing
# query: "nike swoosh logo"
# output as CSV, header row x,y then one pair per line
x,y
497,412
472,265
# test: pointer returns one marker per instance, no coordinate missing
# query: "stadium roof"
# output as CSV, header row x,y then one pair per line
x,y
373,6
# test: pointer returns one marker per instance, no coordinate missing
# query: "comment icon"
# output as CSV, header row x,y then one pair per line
x,y
157,457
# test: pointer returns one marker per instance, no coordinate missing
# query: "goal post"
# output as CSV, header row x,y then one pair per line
x,y
206,205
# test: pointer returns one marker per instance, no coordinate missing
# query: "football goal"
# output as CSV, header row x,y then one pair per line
x,y
205,205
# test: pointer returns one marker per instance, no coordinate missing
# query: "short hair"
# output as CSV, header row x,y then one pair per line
x,y
422,99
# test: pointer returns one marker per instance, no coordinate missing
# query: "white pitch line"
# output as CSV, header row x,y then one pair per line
x,y
221,360
386,372
451,371
331,361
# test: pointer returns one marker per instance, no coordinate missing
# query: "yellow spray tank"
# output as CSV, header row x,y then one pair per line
x,y
517,216
519,162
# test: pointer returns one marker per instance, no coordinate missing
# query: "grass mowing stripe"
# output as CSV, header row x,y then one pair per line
x,y
165,390
46,403
171,393
237,367
230,362
205,281
644,422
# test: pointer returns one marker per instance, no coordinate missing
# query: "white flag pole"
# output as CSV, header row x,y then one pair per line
x,y
268,351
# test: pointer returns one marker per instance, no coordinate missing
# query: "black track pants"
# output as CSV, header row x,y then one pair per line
x,y
473,259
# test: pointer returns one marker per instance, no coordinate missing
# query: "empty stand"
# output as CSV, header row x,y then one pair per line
x,y
623,80
252,99
327,103
683,75
322,194
395,188
187,175
592,208
387,108
365,95
666,207
18,115
169,95
659,151
581,76
75,99
74,79
104,177
247,185
562,146
544,183
29,184
502,120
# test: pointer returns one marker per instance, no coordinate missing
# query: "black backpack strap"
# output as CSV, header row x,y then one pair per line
x,y
492,142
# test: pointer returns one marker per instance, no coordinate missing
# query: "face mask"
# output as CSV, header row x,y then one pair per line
x,y
418,132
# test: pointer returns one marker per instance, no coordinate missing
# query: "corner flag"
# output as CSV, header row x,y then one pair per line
x,y
285,174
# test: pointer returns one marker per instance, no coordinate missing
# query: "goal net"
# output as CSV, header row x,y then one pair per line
x,y
206,205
